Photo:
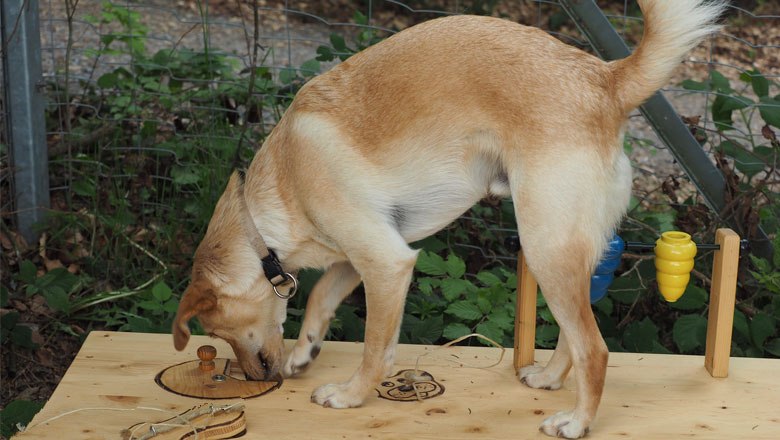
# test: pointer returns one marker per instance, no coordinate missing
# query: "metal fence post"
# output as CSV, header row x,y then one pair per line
x,y
661,115
21,47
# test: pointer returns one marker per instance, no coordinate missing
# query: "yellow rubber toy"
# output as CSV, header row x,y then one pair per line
x,y
674,253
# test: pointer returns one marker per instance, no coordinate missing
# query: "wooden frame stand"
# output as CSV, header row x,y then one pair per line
x,y
720,320
525,315
719,323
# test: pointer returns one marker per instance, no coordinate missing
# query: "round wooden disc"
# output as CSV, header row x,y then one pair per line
x,y
188,379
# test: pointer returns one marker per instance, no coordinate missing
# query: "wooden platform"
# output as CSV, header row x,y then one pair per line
x,y
646,396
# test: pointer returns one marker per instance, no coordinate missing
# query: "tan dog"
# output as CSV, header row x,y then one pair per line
x,y
395,143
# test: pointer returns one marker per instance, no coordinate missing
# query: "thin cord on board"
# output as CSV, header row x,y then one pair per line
x,y
153,430
417,377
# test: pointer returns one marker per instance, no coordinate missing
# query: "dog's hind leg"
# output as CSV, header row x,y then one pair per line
x,y
567,204
385,262
551,376
334,285
562,273
569,303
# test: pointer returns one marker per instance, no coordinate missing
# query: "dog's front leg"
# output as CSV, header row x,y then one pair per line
x,y
335,285
386,277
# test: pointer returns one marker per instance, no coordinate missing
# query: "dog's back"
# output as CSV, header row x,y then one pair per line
x,y
501,75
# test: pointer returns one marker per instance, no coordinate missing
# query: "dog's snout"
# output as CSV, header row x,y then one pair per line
x,y
263,362
265,368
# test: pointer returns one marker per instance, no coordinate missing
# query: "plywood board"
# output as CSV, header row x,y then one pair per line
x,y
646,396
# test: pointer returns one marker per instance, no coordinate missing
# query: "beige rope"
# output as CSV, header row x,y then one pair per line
x,y
185,418
417,377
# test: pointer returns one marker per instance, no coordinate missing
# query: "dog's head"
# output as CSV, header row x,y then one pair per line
x,y
230,295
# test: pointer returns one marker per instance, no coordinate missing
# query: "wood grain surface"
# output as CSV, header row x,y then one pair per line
x,y
646,396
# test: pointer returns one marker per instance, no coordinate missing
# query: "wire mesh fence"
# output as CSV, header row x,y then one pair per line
x,y
151,104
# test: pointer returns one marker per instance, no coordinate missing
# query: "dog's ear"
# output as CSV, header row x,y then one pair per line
x,y
195,301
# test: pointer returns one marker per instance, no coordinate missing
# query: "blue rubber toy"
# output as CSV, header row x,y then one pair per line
x,y
605,271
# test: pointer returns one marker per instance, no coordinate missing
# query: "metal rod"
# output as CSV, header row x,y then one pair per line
x,y
512,243
659,112
26,126
638,246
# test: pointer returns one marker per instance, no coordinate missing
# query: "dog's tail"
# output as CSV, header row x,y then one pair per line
x,y
672,28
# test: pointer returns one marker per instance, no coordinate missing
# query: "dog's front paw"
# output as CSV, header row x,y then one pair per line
x,y
300,359
535,377
564,425
336,395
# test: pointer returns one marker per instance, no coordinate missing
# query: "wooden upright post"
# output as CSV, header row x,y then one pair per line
x,y
722,297
525,315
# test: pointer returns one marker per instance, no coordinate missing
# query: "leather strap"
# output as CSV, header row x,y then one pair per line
x,y
272,267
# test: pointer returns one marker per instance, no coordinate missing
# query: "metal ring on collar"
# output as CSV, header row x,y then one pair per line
x,y
290,293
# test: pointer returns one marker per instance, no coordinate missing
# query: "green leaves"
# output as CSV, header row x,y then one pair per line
x,y
770,110
456,267
185,175
428,331
759,83
766,275
454,330
350,325
430,263
761,327
745,161
84,187
159,300
310,68
724,106
453,288
694,298
55,286
719,82
728,100
773,347
483,303
547,335
19,412
338,46
697,86
625,290
689,332
161,292
27,272
108,80
338,43
758,335
19,335
464,310
641,336
491,330
488,278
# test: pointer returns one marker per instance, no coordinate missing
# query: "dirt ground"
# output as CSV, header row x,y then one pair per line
x,y
291,39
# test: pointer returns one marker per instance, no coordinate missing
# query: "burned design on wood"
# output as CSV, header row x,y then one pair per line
x,y
211,378
401,386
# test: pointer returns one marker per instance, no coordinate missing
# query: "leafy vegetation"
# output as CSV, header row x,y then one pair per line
x,y
749,162
18,412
